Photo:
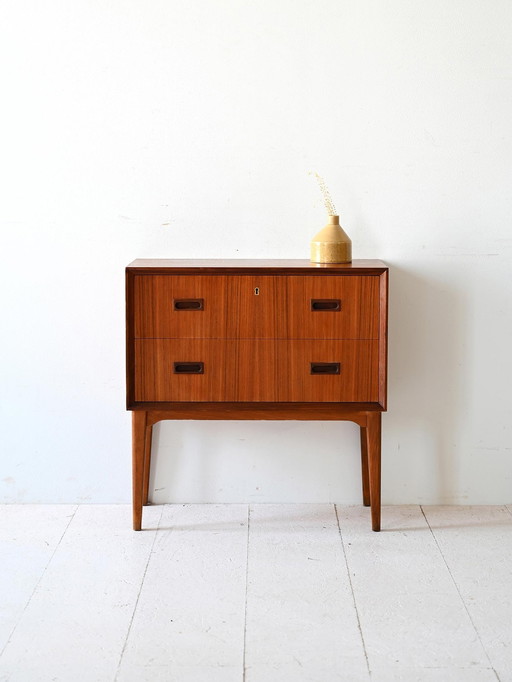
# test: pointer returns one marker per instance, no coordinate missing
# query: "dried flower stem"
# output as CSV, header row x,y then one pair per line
x,y
329,205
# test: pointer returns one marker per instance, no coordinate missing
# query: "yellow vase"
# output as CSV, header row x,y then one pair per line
x,y
332,244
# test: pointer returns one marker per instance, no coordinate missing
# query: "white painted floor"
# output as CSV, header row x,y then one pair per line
x,y
266,593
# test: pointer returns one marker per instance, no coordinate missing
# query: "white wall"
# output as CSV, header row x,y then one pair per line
x,y
186,128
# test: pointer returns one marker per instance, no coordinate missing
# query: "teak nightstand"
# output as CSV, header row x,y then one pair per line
x,y
256,339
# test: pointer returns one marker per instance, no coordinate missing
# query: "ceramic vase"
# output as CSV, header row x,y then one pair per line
x,y
332,244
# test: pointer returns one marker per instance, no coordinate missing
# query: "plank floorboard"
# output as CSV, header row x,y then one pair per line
x,y
411,613
29,535
189,622
301,620
76,623
476,543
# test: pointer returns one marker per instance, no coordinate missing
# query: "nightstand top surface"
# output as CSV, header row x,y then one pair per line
x,y
270,266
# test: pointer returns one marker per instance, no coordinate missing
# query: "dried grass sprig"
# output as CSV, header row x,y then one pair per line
x,y
328,202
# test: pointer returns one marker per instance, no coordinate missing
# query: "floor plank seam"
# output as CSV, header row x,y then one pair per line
x,y
72,516
491,666
352,590
246,591
150,553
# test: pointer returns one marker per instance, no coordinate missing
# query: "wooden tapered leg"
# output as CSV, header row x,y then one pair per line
x,y
374,445
364,466
148,438
139,420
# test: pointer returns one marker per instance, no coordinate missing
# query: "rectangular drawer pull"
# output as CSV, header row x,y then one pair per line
x,y
189,304
325,304
188,368
325,368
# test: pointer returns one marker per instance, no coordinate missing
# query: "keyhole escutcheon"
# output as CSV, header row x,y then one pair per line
x,y
256,291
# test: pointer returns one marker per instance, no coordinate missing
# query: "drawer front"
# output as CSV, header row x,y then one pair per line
x,y
187,370
332,307
253,307
181,306
216,370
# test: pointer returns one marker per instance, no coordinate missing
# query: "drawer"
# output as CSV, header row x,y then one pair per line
x,y
332,307
256,307
264,370
188,370
181,306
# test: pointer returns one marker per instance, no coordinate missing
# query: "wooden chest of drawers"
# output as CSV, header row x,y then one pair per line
x,y
256,340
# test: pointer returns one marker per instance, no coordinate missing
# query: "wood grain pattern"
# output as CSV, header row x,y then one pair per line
x,y
355,412
258,373
383,338
356,382
256,370
255,306
139,422
155,316
373,440
155,379
256,315
365,475
357,319
130,334
148,443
